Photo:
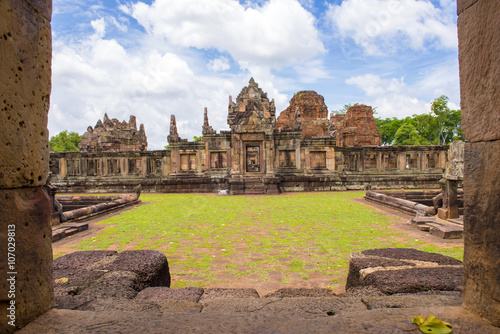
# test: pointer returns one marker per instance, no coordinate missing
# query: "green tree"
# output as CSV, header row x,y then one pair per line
x,y
65,141
407,134
388,128
197,138
439,127
449,122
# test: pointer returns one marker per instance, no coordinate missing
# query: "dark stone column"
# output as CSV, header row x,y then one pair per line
x,y
479,56
25,230
450,200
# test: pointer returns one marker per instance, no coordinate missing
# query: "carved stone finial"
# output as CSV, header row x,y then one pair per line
x,y
207,129
132,124
205,118
174,136
99,124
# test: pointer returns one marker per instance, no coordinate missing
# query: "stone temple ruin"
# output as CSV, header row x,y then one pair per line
x,y
301,150
111,135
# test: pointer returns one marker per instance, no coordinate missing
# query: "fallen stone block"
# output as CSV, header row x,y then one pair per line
x,y
448,231
151,266
81,277
403,270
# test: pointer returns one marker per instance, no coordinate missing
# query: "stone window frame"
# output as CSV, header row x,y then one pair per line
x,y
191,167
322,152
220,159
290,150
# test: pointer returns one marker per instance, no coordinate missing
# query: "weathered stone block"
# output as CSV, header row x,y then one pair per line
x,y
404,270
479,70
104,274
81,260
190,294
481,229
25,55
301,292
151,266
218,293
25,217
43,7
463,5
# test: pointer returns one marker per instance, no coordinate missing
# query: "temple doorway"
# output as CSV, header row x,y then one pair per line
x,y
253,159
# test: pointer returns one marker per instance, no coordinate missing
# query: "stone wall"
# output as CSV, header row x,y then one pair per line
x,y
479,57
205,166
25,229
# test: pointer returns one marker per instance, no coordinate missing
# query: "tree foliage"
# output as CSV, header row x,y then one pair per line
x,y
65,141
439,127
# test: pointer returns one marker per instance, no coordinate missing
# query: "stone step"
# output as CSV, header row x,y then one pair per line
x,y
377,321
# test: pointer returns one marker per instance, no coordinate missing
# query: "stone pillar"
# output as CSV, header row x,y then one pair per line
x,y
402,161
198,161
450,200
165,161
479,57
380,162
330,159
307,159
443,157
63,167
25,229
124,166
104,166
360,158
144,166
425,161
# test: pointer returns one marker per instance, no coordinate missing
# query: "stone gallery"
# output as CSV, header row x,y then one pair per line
x,y
301,150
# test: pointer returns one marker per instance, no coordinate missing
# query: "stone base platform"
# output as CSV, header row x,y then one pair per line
x,y
274,317
66,229
128,293
438,227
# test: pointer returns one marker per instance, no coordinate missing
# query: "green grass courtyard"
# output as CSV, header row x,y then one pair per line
x,y
297,239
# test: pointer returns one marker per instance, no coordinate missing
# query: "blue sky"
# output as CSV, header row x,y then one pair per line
x,y
155,58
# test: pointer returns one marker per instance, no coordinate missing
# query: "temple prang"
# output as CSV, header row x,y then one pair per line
x,y
111,135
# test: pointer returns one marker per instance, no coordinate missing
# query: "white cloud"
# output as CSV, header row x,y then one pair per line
x,y
392,97
99,27
219,64
277,33
95,75
384,26
311,71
